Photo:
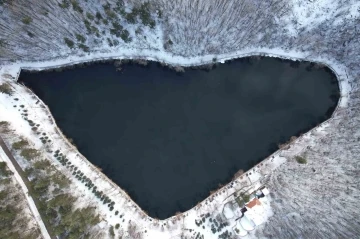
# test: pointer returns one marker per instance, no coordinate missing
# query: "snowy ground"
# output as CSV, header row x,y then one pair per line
x,y
323,194
29,199
174,226
29,210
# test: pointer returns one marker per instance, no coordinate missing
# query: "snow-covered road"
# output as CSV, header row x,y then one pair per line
x,y
29,199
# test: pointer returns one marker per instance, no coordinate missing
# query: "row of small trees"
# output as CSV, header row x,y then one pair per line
x,y
58,203
61,205
42,181
80,176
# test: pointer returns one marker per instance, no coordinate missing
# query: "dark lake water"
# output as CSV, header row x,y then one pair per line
x,y
168,138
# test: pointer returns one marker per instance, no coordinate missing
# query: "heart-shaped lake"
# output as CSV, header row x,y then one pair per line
x,y
170,138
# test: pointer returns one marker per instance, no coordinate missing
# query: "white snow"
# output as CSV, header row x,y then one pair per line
x,y
242,231
265,191
306,15
229,211
309,13
258,214
155,228
247,223
29,199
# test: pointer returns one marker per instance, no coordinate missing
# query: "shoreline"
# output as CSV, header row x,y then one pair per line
x,y
338,70
226,182
171,60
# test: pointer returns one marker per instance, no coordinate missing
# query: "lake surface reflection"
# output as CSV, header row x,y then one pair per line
x,y
168,138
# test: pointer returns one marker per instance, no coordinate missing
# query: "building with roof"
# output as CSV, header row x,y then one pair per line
x,y
253,203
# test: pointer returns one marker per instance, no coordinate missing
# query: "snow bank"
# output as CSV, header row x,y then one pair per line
x,y
131,213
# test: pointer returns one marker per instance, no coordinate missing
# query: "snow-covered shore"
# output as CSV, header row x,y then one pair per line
x,y
316,200
173,226
170,59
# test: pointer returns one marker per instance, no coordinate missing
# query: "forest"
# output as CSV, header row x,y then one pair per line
x,y
319,198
